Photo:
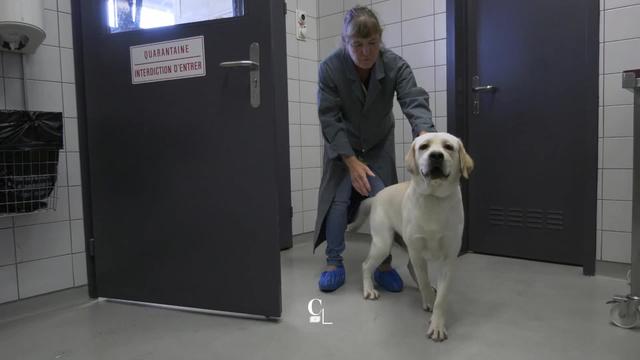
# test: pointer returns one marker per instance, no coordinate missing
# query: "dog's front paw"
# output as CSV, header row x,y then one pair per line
x,y
437,331
370,293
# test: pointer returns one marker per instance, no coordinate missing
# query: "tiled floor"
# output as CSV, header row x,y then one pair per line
x,y
500,309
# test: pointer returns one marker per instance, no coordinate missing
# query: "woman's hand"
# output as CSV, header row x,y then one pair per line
x,y
359,172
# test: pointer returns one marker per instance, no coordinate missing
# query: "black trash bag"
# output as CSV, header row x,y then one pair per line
x,y
30,142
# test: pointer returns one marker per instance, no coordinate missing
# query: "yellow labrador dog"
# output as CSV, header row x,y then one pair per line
x,y
427,212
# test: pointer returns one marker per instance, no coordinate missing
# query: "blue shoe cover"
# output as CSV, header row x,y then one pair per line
x,y
388,280
332,280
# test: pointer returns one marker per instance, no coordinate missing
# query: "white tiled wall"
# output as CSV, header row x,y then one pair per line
x,y
304,126
414,29
44,252
619,50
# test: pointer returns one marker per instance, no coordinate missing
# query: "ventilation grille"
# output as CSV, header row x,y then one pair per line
x,y
530,218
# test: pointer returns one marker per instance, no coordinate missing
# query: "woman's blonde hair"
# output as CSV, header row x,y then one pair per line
x,y
360,22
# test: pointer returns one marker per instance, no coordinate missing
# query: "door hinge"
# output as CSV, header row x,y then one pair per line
x,y
92,247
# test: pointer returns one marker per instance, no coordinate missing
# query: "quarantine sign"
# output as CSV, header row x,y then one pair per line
x,y
168,60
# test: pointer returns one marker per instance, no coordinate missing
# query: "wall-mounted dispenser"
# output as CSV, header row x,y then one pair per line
x,y
21,25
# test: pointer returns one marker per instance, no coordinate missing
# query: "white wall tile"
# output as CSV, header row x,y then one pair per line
x,y
441,103
309,199
8,284
419,55
622,55
292,45
7,249
621,23
66,33
293,87
2,97
290,22
312,28
51,4
616,215
75,202
295,158
614,94
292,68
6,222
618,153
294,112
296,179
441,77
417,30
328,45
309,114
297,224
308,49
616,246
440,26
64,6
308,92
73,168
416,8
309,70
310,135
292,4
51,28
71,142
598,245
618,121
310,6
77,236
441,52
43,276
610,4
329,7
311,178
392,35
69,100
42,241
44,64
296,201
311,157
440,6
601,59
309,220
294,135
79,269
330,26
425,77
599,208
68,68
348,4
388,12
617,184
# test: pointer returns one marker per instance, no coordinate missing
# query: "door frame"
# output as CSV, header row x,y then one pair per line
x,y
281,133
459,58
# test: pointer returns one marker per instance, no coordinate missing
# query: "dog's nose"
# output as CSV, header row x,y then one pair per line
x,y
436,156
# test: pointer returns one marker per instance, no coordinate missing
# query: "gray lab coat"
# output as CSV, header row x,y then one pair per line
x,y
355,123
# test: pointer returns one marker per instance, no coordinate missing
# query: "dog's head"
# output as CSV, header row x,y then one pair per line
x,y
438,158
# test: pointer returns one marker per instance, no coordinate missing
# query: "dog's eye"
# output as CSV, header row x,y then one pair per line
x,y
423,147
448,147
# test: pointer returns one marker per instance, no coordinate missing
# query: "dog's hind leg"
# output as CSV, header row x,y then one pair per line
x,y
380,249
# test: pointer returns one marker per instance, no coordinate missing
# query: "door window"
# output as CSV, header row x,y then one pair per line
x,y
126,15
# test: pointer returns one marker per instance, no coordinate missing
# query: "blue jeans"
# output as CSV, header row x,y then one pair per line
x,y
336,221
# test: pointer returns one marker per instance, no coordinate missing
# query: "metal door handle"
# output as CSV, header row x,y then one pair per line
x,y
252,65
489,88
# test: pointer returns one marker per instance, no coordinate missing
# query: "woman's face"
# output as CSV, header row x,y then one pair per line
x,y
364,51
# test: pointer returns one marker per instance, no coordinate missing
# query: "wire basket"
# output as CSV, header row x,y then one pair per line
x,y
28,180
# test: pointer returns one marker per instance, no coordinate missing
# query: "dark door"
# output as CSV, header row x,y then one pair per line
x,y
187,183
534,135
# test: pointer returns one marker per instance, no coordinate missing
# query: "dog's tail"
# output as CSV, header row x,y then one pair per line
x,y
363,214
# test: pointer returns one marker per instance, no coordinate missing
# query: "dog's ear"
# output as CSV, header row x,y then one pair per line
x,y
410,159
466,162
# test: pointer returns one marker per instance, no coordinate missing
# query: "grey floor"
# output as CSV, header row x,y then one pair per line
x,y
500,309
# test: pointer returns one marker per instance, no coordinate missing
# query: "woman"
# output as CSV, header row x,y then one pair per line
x,y
355,100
